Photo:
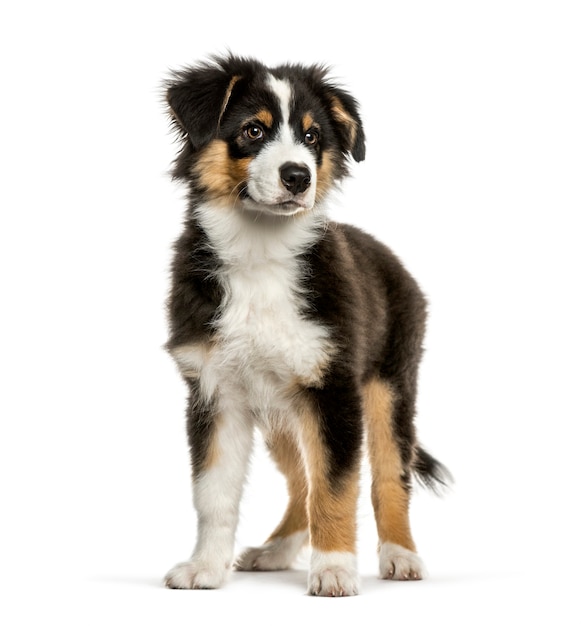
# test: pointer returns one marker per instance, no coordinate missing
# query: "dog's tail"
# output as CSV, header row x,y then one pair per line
x,y
430,473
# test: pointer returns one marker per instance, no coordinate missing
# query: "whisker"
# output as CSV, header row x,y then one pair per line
x,y
239,189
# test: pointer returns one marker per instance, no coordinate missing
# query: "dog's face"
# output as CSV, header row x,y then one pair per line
x,y
263,140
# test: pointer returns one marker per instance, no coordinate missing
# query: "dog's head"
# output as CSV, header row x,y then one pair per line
x,y
260,139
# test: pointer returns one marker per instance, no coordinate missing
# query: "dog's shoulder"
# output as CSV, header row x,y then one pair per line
x,y
358,286
195,292
375,263
347,259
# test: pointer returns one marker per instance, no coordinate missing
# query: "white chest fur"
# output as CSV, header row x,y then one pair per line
x,y
263,341
261,327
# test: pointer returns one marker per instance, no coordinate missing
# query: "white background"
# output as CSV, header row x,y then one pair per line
x,y
473,117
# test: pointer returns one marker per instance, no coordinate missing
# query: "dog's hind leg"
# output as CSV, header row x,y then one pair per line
x,y
283,545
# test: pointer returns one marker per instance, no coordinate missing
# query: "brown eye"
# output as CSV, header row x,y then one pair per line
x,y
254,132
311,137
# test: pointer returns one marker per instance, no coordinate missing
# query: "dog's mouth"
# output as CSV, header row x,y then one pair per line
x,y
289,207
285,207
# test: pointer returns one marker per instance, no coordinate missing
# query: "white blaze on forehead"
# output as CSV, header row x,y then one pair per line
x,y
282,90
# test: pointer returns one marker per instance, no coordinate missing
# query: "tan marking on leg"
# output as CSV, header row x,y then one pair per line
x,y
221,175
191,357
264,116
281,548
213,452
208,450
287,456
313,378
389,495
332,508
332,517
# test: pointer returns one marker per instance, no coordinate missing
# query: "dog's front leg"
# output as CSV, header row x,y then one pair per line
x,y
220,437
331,434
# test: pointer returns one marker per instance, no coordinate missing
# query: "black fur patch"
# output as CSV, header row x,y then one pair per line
x,y
195,293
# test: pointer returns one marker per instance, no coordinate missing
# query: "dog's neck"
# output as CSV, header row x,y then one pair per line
x,y
241,238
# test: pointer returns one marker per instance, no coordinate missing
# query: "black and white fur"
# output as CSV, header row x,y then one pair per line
x,y
283,321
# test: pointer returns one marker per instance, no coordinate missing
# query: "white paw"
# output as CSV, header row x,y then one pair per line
x,y
277,554
399,563
333,574
196,575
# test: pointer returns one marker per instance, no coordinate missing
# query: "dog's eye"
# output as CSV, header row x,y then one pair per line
x,y
254,132
311,137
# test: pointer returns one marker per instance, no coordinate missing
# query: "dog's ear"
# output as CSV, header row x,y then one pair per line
x,y
345,113
197,99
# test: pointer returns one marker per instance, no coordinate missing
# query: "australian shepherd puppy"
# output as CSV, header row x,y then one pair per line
x,y
286,322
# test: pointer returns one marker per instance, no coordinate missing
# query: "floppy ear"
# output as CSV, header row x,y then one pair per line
x,y
344,110
345,113
197,98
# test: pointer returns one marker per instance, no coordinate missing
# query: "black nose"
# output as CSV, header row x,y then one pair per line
x,y
296,178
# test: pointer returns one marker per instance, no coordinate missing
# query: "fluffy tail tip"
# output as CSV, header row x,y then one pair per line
x,y
430,473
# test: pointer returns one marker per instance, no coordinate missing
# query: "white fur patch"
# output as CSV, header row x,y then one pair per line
x,y
263,342
197,574
283,91
333,574
265,187
278,554
399,563
217,493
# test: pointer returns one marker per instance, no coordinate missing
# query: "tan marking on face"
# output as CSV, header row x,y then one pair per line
x,y
340,115
285,452
332,511
222,176
389,496
264,116
325,175
308,122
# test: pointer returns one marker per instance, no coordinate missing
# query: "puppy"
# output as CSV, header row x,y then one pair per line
x,y
283,321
